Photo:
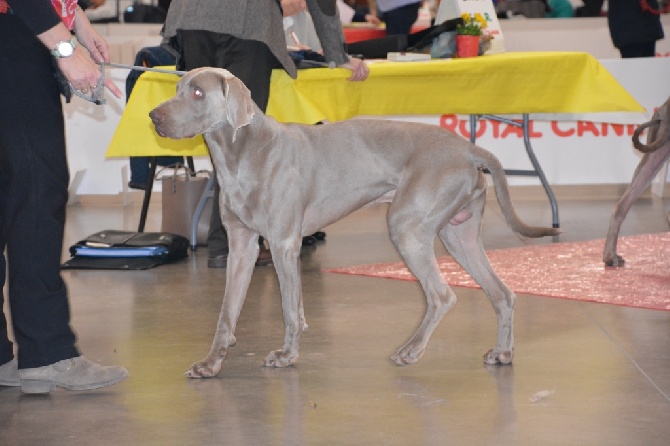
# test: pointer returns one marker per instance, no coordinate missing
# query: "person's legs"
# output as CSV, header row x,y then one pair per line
x,y
252,63
642,49
9,373
6,346
139,172
35,181
139,169
217,238
33,184
400,20
139,165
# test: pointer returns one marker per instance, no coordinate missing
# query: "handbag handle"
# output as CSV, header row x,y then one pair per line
x,y
188,173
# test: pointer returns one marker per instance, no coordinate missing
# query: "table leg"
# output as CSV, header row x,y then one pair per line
x,y
540,172
537,168
147,193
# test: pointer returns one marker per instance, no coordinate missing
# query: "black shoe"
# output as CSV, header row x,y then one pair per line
x,y
136,185
319,235
264,256
308,240
220,261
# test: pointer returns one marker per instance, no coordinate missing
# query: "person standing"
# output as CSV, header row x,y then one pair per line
x,y
634,29
36,42
246,37
399,15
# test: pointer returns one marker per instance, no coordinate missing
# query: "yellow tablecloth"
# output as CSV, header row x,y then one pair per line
x,y
509,83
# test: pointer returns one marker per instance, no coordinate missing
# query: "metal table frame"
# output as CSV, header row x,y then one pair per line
x,y
537,169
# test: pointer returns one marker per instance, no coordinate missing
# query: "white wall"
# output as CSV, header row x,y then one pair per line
x,y
590,35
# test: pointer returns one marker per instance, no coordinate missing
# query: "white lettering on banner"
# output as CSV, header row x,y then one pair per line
x,y
562,129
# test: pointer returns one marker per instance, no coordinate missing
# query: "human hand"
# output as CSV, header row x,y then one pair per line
x,y
292,7
372,19
79,69
84,74
95,3
96,45
98,49
359,70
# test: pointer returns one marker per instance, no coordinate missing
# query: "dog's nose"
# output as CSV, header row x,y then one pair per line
x,y
157,116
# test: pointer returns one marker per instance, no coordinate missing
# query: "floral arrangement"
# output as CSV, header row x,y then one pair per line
x,y
473,25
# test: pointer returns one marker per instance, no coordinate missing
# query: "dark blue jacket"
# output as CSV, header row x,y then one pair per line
x,y
628,23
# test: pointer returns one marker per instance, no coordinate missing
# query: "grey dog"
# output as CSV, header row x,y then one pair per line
x,y
285,181
655,153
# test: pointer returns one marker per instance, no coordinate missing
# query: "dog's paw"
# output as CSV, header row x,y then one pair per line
x,y
615,260
408,354
498,356
204,369
279,358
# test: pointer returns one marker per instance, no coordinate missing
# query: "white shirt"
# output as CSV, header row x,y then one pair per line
x,y
108,9
387,5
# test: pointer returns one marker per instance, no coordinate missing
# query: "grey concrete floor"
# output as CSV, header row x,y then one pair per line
x,y
584,373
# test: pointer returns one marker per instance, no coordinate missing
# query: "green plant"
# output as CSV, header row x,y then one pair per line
x,y
473,25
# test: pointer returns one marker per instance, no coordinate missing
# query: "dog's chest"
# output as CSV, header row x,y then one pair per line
x,y
241,195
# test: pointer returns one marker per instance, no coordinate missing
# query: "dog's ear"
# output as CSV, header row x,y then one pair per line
x,y
239,105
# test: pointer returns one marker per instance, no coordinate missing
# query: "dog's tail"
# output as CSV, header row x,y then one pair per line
x,y
486,160
655,139
659,130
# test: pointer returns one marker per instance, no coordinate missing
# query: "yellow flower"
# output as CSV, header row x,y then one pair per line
x,y
473,24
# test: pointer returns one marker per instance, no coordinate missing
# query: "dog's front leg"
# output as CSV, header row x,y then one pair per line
x,y
285,256
243,244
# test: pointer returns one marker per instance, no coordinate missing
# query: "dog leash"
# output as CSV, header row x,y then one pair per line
x,y
97,94
135,67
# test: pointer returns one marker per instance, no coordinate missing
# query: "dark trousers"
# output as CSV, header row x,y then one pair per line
x,y
642,49
33,196
250,61
400,20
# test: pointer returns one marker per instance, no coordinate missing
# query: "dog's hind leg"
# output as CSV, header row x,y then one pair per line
x,y
463,241
646,170
414,241
285,254
243,244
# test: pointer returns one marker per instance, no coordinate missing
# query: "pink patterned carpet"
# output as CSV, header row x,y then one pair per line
x,y
566,270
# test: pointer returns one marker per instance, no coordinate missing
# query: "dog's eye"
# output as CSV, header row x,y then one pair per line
x,y
197,93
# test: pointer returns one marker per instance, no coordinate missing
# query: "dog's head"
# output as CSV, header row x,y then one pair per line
x,y
206,100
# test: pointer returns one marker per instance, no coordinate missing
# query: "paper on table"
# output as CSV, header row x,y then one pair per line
x,y
407,57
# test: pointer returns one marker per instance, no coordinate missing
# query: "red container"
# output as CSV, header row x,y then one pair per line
x,y
467,46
